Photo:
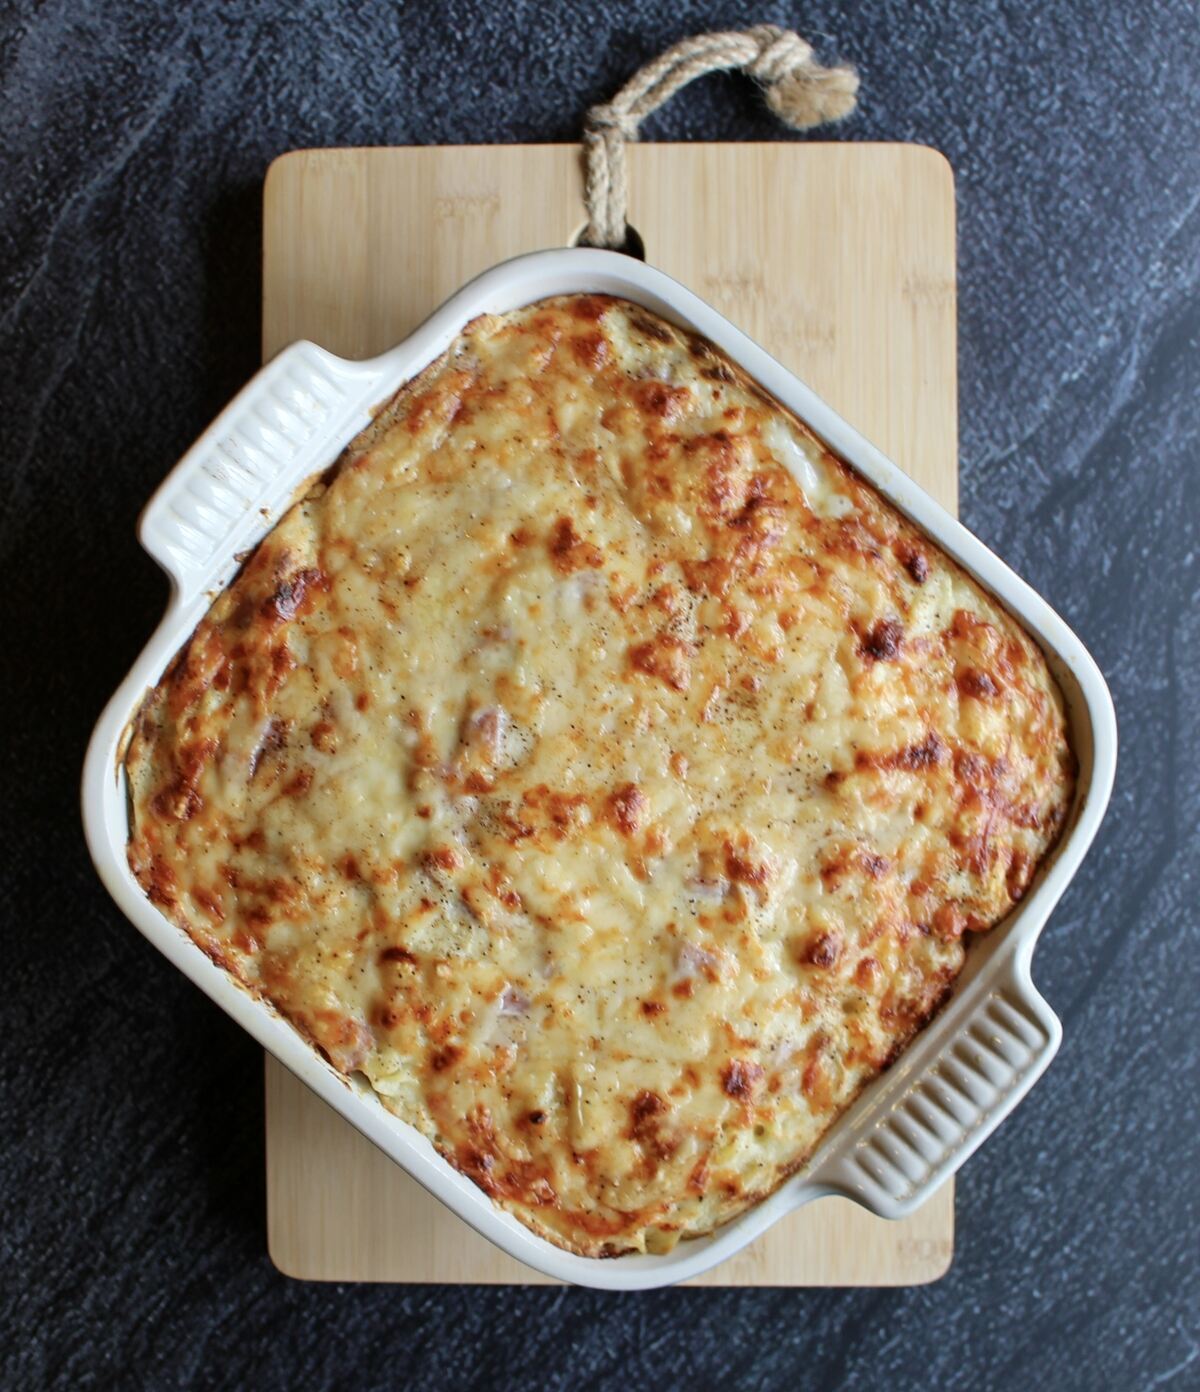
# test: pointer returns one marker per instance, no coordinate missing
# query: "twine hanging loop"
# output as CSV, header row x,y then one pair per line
x,y
797,88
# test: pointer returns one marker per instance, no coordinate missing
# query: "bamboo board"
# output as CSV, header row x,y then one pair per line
x,y
840,260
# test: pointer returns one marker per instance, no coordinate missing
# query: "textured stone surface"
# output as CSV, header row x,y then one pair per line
x,y
131,1188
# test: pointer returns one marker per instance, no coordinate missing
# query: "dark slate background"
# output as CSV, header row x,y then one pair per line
x,y
135,139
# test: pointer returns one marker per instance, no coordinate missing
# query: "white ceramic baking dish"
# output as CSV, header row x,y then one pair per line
x,y
954,1084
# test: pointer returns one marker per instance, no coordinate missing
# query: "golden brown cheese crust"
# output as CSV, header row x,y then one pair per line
x,y
603,769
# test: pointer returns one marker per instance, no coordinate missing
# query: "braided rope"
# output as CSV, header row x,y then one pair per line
x,y
798,90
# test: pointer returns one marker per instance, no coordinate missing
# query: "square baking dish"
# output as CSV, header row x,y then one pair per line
x,y
950,1088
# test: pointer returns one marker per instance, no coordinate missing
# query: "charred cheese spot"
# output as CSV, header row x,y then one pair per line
x,y
882,642
914,561
591,350
601,769
972,682
627,808
822,950
289,599
666,658
741,1079
660,402
568,549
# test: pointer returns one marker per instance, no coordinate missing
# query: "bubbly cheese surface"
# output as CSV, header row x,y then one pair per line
x,y
601,768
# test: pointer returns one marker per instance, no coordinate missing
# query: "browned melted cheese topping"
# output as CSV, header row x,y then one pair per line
x,y
601,768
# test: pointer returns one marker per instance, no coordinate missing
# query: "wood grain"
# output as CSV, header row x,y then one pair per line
x,y
839,259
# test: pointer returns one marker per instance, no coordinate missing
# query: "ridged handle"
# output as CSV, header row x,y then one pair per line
x,y
945,1096
286,424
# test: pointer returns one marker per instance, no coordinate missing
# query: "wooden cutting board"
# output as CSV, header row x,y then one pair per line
x,y
839,259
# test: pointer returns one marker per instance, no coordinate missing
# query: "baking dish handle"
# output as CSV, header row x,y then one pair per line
x,y
946,1094
285,425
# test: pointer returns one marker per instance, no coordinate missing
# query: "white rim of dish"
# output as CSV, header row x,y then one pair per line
x,y
911,1128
